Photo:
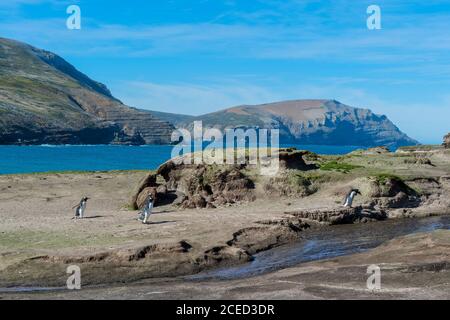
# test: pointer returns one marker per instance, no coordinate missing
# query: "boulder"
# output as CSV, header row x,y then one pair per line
x,y
148,181
143,196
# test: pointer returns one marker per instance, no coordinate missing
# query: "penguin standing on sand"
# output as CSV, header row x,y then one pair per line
x,y
147,210
80,208
349,197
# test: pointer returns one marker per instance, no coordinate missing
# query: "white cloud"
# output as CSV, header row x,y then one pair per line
x,y
403,43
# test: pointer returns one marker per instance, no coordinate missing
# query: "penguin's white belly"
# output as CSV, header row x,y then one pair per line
x,y
349,200
81,210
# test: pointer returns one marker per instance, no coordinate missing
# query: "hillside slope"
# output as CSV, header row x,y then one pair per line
x,y
44,99
323,122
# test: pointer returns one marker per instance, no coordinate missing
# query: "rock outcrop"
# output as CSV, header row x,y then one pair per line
x,y
388,191
447,141
198,186
268,234
209,186
341,215
45,100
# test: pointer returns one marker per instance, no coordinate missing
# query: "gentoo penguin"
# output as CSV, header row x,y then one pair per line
x,y
147,210
80,208
350,196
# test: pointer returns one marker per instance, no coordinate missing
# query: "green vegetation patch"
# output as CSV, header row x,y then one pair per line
x,y
338,166
299,180
291,183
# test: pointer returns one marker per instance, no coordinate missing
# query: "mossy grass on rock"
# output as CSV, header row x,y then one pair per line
x,y
391,184
291,183
390,191
381,191
386,179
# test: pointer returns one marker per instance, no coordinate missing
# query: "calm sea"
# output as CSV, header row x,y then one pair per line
x,y
31,159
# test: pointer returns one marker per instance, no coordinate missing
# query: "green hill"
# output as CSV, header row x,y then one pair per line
x,y
44,99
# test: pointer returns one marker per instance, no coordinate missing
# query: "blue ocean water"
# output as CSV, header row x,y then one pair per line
x,y
32,159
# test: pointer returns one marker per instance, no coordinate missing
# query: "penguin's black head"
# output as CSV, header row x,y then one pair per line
x,y
86,199
356,191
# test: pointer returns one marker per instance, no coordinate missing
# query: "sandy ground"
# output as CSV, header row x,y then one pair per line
x,y
36,217
36,220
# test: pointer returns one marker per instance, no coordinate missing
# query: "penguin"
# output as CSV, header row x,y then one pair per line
x,y
349,197
80,208
147,210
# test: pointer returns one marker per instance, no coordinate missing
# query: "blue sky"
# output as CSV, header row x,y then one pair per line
x,y
198,56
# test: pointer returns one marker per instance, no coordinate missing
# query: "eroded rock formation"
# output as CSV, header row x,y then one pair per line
x,y
209,186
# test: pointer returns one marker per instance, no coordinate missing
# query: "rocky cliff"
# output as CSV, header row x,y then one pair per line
x,y
45,100
323,122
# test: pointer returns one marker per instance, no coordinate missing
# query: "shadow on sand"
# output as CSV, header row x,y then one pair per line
x,y
160,222
92,217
